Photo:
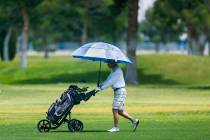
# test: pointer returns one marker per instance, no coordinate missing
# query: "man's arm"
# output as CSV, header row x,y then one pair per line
x,y
109,81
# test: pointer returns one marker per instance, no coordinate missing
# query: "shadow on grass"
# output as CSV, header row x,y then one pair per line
x,y
84,131
200,87
91,77
88,77
154,79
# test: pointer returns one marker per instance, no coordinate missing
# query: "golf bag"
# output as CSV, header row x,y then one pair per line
x,y
61,108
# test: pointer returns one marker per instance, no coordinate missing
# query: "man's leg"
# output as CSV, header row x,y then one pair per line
x,y
135,122
115,117
125,115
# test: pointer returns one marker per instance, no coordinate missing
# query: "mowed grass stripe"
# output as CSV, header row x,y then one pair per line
x,y
133,109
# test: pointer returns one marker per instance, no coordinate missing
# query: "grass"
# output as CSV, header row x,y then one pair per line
x,y
172,100
165,113
174,70
165,70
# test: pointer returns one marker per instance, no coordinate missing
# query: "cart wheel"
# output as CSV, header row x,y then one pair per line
x,y
75,125
44,125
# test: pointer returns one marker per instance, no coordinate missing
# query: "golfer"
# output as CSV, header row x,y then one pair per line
x,y
116,80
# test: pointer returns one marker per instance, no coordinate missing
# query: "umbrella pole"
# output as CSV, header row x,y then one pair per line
x,y
99,75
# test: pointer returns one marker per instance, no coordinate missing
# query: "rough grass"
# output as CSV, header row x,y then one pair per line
x,y
174,70
166,70
165,113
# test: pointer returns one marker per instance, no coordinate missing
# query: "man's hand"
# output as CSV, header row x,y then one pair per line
x,y
97,89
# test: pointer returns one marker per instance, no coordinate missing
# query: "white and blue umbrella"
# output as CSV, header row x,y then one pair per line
x,y
102,52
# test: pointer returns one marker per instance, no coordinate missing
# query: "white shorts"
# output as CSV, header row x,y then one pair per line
x,y
119,99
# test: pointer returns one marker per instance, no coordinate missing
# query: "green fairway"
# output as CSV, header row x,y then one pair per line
x,y
165,113
172,100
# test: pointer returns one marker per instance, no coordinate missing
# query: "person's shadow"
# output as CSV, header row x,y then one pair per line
x,y
84,131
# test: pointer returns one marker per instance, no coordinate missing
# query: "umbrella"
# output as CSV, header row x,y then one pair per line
x,y
102,52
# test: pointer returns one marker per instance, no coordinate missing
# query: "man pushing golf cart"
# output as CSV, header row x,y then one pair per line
x,y
104,52
59,110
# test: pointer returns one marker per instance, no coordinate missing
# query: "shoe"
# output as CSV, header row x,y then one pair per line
x,y
135,124
114,129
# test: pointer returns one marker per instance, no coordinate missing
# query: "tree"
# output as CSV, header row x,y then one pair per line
x,y
155,25
208,29
8,28
55,21
80,21
11,46
25,7
119,15
131,69
175,17
102,20
89,11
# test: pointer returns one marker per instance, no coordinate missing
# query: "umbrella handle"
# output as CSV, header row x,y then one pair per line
x,y
99,75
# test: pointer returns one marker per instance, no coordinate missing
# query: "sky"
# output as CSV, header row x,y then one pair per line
x,y
143,6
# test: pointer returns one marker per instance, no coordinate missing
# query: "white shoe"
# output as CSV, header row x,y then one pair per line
x,y
114,129
135,124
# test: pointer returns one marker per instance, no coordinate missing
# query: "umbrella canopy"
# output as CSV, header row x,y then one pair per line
x,y
100,51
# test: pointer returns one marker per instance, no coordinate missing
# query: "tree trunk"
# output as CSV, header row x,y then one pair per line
x,y
131,69
46,50
192,44
84,33
24,45
158,47
6,45
195,47
202,40
85,19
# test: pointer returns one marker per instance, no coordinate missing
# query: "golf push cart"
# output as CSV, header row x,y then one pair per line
x,y
60,111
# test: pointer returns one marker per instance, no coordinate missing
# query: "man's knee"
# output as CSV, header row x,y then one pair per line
x,y
115,111
120,112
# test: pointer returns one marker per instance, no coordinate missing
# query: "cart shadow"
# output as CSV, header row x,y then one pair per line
x,y
85,131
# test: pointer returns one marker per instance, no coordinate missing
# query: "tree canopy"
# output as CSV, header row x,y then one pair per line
x,y
71,20
168,19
